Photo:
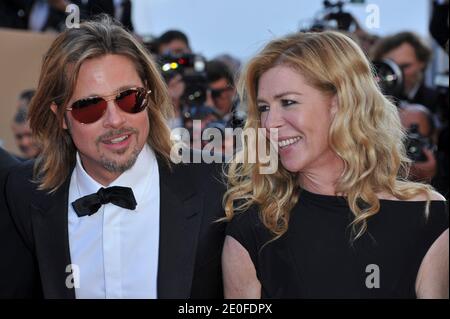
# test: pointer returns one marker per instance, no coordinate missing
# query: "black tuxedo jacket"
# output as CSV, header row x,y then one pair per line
x,y
190,240
8,232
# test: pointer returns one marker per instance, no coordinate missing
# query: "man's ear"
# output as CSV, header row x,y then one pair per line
x,y
54,109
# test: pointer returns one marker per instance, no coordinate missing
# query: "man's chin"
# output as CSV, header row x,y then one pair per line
x,y
114,166
119,162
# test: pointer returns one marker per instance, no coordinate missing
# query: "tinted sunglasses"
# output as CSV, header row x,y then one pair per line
x,y
91,109
216,93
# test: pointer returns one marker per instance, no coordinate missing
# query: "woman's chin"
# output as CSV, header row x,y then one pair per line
x,y
292,166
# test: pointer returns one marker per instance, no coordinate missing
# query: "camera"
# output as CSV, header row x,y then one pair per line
x,y
333,17
415,143
389,77
192,68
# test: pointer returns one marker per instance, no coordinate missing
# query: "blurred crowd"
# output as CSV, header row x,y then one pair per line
x,y
50,15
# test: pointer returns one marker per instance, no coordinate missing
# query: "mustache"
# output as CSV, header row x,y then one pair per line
x,y
112,133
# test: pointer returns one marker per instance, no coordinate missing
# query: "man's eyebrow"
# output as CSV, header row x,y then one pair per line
x,y
122,88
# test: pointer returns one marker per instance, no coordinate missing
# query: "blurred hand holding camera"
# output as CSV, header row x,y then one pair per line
x,y
424,171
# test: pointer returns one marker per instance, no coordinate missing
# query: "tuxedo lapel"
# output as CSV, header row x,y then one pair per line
x,y
50,227
180,218
181,209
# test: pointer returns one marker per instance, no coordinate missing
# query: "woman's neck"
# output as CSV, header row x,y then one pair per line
x,y
322,179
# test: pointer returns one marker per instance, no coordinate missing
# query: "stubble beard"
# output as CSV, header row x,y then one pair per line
x,y
114,166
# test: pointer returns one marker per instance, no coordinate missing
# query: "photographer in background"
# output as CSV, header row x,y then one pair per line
x,y
409,52
21,128
221,91
173,42
400,61
170,44
332,16
417,120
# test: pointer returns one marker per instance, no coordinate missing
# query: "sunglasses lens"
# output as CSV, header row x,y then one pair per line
x,y
131,101
92,109
89,111
215,93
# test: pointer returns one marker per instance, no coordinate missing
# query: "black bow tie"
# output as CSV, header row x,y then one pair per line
x,y
117,195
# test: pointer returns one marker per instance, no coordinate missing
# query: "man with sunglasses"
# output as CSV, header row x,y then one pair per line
x,y
221,87
105,212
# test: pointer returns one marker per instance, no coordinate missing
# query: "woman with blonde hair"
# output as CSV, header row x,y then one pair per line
x,y
338,219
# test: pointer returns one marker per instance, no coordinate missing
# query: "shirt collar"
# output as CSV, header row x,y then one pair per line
x,y
412,93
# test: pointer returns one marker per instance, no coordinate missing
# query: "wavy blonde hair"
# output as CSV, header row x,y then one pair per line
x,y
365,133
56,85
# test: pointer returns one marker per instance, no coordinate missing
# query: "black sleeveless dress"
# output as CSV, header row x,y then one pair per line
x,y
316,258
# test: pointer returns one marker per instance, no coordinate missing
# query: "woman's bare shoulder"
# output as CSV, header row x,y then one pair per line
x,y
434,196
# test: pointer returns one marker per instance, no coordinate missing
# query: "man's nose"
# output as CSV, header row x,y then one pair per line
x,y
114,116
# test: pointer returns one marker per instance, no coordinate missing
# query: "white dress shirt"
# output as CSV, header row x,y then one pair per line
x,y
115,250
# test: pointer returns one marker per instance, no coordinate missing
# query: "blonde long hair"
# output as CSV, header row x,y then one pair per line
x,y
56,85
365,133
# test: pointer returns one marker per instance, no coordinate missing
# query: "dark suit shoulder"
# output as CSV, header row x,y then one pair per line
x,y
19,180
206,180
6,161
17,271
19,191
203,173
199,174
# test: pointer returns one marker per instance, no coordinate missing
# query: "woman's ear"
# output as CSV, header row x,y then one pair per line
x,y
334,105
54,109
